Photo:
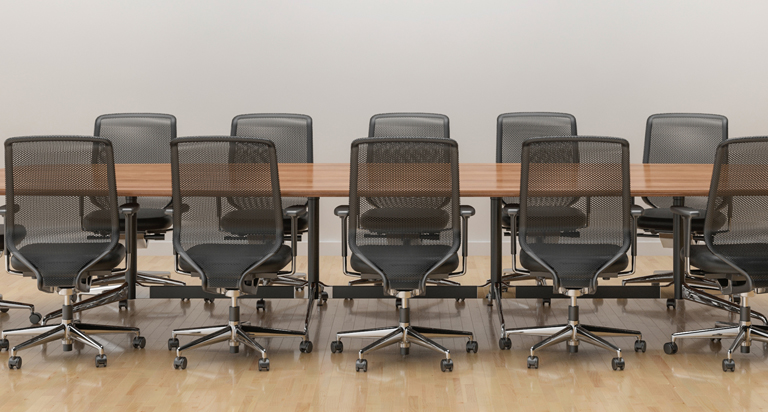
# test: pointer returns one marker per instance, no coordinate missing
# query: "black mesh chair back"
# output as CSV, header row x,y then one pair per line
x,y
513,128
409,125
205,172
739,191
52,182
678,138
600,182
417,228
139,138
291,134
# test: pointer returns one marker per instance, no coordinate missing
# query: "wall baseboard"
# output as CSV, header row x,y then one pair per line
x,y
646,247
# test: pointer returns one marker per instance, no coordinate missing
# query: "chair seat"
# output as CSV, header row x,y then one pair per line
x,y
59,263
753,259
147,220
581,261
569,217
660,220
224,264
237,221
405,265
408,220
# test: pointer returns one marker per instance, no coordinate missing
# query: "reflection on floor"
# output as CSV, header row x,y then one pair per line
x,y
489,380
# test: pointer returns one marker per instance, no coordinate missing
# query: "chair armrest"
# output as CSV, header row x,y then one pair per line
x,y
4,209
466,210
685,212
296,211
169,211
129,208
636,211
511,209
341,211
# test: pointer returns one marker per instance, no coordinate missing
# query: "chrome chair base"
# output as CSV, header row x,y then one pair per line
x,y
236,333
5,305
109,294
692,294
143,278
743,333
404,334
666,277
572,333
68,332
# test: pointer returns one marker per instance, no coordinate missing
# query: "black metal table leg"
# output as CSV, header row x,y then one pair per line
x,y
677,244
313,247
130,251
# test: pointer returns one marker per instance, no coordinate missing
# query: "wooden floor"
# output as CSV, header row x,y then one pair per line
x,y
489,380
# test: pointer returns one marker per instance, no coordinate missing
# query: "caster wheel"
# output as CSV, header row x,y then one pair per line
x,y
123,305
446,365
472,346
264,365
14,362
729,365
66,347
4,310
573,348
180,363
185,299
261,305
405,351
546,302
173,343
35,318
208,300
305,346
640,346
460,300
617,364
505,343
715,340
323,298
361,365
139,342
533,362
670,348
671,304
337,346
4,344
101,361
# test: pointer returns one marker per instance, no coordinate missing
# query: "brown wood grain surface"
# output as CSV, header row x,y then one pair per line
x,y
477,179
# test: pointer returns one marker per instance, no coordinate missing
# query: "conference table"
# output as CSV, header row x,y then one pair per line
x,y
490,180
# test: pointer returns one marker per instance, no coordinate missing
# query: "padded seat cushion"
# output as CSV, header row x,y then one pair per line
x,y
570,217
147,220
236,221
405,265
660,220
588,258
59,263
752,259
224,264
408,220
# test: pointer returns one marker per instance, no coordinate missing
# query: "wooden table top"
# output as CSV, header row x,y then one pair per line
x,y
477,179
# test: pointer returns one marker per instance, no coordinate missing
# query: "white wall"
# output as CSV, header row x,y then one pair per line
x,y
610,63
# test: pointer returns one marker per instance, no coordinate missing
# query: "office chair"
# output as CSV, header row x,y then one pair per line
x,y
292,135
206,172
511,130
678,138
400,125
735,253
6,305
409,125
407,189
50,183
137,138
575,258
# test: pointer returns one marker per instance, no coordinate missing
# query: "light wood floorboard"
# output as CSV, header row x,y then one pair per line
x,y
489,380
